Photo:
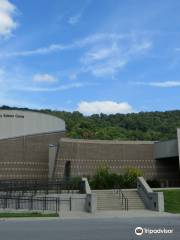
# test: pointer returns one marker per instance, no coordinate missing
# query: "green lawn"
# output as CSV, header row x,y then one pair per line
x,y
26,214
172,201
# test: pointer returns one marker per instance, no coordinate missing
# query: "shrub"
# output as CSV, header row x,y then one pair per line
x,y
130,177
103,179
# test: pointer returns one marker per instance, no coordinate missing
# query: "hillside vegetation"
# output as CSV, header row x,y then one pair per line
x,y
133,126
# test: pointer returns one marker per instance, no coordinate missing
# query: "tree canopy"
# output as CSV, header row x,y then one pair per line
x,y
132,126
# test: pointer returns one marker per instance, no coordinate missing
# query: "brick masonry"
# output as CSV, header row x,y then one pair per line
x,y
86,156
26,157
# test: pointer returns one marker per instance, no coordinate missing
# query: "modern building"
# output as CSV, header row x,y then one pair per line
x,y
24,143
32,146
156,160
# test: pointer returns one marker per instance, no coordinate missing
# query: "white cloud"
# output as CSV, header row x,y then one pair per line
x,y
177,49
74,19
52,48
2,72
112,55
100,53
47,78
55,89
145,45
97,39
7,23
107,107
39,51
110,67
107,53
165,84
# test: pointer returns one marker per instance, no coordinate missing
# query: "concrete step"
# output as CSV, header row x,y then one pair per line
x,y
110,209
110,200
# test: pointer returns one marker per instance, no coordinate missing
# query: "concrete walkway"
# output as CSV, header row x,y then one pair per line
x,y
98,215
115,214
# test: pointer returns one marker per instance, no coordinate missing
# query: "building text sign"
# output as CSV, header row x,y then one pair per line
x,y
5,115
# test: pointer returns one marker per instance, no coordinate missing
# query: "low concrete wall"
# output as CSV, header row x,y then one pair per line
x,y
67,202
84,202
91,201
86,186
153,200
77,202
166,188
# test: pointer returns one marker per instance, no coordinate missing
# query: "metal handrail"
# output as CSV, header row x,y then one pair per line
x,y
124,199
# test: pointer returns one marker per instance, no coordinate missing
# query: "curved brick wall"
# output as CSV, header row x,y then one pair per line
x,y
87,155
26,157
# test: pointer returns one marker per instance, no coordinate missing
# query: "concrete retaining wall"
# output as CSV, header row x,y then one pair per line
x,y
50,202
71,202
91,199
86,156
153,200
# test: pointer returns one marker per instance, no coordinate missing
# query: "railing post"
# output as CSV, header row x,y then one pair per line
x,y
70,204
5,202
123,199
56,187
59,204
16,200
30,203
56,205
44,203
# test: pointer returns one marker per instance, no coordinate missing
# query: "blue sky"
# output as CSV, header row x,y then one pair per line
x,y
93,56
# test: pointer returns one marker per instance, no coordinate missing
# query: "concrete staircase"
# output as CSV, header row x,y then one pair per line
x,y
108,200
134,199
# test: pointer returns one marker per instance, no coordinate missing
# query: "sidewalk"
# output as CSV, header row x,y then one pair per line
x,y
115,214
97,215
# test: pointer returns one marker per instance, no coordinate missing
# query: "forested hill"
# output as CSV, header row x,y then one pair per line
x,y
134,126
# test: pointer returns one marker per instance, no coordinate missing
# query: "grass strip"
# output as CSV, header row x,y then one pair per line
x,y
172,200
26,214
